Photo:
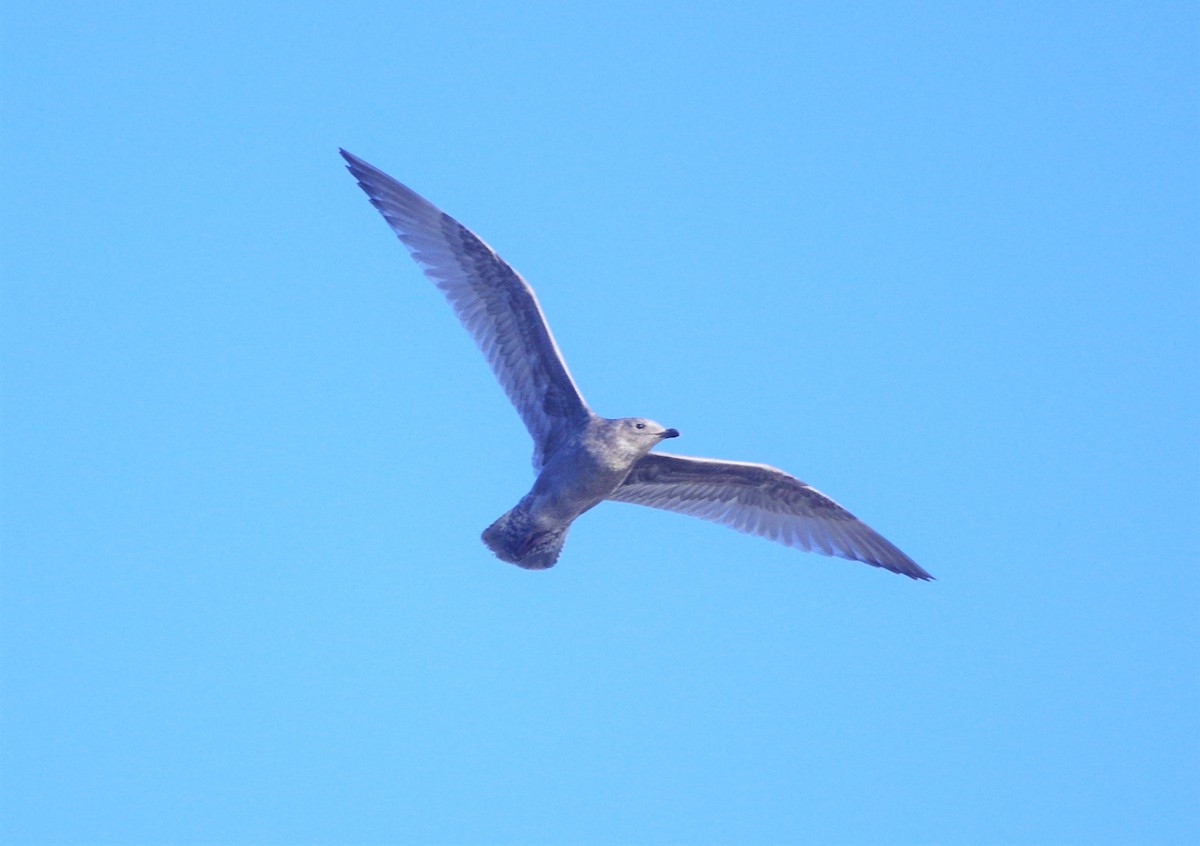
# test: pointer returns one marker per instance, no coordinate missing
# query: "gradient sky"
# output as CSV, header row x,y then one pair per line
x,y
940,260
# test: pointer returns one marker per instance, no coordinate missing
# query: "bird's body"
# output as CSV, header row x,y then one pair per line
x,y
586,469
581,458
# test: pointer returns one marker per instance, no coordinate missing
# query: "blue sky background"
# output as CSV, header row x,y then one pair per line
x,y
938,259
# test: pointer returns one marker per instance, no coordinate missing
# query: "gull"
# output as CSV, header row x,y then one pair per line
x,y
582,459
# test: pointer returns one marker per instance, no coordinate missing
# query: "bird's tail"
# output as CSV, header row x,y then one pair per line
x,y
515,538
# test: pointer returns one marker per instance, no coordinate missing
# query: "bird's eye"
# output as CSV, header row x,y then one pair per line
x,y
641,425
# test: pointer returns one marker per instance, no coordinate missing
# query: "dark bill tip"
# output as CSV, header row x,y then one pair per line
x,y
670,433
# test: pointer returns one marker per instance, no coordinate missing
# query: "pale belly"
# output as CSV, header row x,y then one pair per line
x,y
571,484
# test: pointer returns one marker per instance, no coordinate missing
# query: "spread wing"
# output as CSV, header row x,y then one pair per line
x,y
762,501
493,302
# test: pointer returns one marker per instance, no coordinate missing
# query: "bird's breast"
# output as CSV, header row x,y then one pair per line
x,y
574,480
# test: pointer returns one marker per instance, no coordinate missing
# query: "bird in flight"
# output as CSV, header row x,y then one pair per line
x,y
582,459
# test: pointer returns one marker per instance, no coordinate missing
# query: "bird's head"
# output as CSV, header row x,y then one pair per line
x,y
639,435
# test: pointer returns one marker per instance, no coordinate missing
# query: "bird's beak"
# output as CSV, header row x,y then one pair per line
x,y
670,433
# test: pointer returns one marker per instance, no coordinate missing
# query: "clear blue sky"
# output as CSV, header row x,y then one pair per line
x,y
939,260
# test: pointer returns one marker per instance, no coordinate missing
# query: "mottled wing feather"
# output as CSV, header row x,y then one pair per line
x,y
760,500
493,302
